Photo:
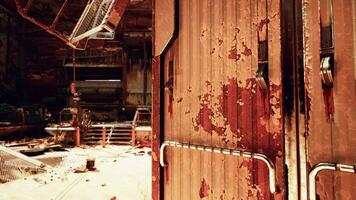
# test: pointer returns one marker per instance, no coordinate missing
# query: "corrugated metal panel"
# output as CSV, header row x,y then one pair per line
x,y
331,138
215,101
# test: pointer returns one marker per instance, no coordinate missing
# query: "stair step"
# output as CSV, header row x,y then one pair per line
x,y
119,135
111,138
107,135
111,143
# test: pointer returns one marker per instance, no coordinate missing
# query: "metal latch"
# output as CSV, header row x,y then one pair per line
x,y
327,70
262,71
262,76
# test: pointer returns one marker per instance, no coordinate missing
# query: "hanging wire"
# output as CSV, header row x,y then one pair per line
x,y
73,59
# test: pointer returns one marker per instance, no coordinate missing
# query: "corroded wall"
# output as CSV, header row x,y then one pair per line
x,y
331,112
211,98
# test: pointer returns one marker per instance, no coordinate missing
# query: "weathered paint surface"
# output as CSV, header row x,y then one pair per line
x,y
330,128
155,128
216,101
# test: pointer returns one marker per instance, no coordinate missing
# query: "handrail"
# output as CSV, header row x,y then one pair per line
x,y
326,166
245,154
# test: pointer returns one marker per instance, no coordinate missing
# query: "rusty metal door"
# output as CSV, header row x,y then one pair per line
x,y
221,131
330,83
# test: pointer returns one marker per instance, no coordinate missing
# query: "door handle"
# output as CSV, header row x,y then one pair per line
x,y
327,70
244,154
262,75
326,166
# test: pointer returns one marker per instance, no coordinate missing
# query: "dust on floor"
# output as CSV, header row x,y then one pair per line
x,y
122,173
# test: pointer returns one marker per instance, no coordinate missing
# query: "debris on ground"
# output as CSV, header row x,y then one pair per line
x,y
82,169
122,168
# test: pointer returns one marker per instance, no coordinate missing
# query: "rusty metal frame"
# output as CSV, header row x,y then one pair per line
x,y
50,29
108,22
326,166
23,157
76,38
244,154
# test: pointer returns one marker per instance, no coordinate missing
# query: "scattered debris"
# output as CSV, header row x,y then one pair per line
x,y
82,169
103,185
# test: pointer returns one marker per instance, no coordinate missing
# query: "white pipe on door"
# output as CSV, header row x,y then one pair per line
x,y
245,154
325,166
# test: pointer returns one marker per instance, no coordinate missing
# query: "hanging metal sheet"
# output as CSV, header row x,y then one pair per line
x,y
98,21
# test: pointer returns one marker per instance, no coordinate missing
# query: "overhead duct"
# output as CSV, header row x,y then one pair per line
x,y
98,21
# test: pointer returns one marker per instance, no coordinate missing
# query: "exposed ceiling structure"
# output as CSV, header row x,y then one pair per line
x,y
135,25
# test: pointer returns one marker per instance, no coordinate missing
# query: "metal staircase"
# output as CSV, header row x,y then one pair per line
x,y
117,134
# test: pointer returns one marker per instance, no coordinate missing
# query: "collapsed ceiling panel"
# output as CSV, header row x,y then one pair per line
x,y
98,21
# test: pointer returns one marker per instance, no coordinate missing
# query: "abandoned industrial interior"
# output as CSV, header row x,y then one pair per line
x,y
177,99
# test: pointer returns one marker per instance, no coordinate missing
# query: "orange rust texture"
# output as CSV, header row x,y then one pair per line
x,y
217,102
155,128
331,140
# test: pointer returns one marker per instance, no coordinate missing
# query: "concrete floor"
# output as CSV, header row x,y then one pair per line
x,y
122,173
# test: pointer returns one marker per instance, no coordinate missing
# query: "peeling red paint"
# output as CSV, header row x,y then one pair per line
x,y
247,51
253,116
204,189
228,104
262,23
233,54
204,120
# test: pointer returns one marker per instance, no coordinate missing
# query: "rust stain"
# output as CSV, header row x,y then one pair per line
x,y
204,189
329,102
154,156
170,105
237,30
202,33
220,41
156,127
247,51
212,51
262,23
190,89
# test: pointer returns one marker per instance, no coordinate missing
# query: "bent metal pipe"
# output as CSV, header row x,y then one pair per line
x,y
326,166
245,154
